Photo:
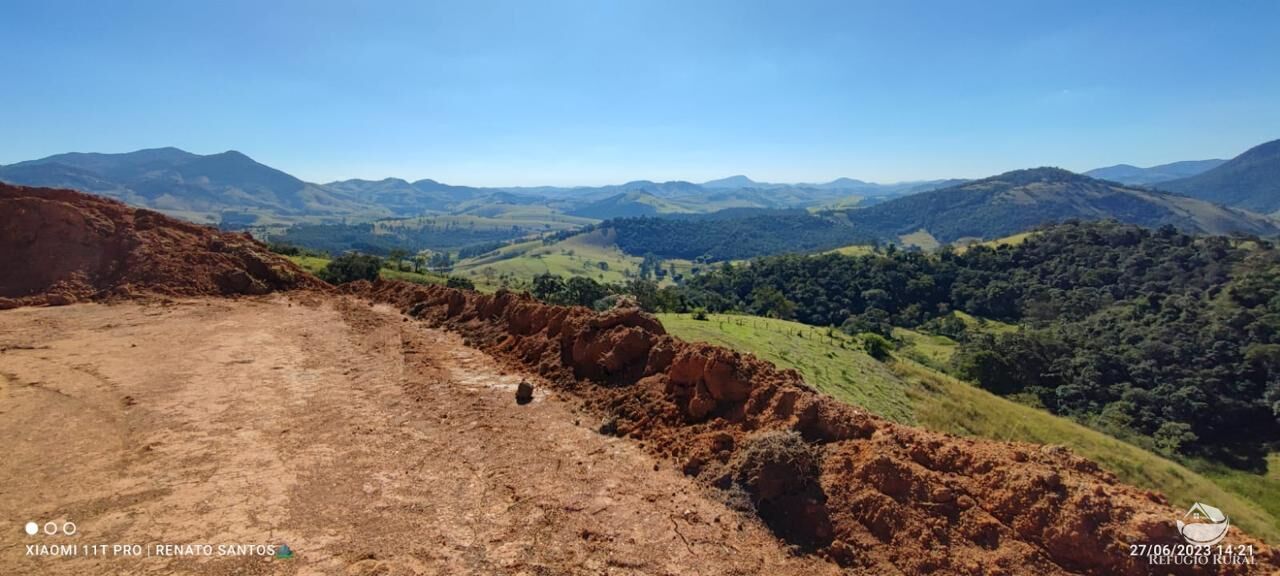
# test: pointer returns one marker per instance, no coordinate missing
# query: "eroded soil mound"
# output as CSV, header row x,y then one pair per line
x,y
869,494
61,246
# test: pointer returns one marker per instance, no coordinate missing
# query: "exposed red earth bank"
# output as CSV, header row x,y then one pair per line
x,y
862,491
61,246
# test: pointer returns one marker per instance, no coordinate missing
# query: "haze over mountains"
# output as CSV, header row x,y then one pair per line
x,y
185,184
1022,199
234,190
1130,174
205,187
989,208
1250,181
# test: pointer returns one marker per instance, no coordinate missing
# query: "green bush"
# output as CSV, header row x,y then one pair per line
x,y
877,346
460,282
351,267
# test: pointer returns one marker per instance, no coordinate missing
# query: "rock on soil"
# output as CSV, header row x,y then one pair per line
x,y
59,246
524,393
871,495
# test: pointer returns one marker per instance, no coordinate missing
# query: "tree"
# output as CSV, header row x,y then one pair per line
x,y
769,301
548,287
396,256
351,267
582,291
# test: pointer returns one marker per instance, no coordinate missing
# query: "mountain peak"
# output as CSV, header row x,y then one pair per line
x,y
735,181
1042,174
1265,150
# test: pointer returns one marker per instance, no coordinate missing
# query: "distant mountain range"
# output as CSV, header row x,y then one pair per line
x,y
843,185
984,209
233,187
1133,175
1022,199
1250,181
185,184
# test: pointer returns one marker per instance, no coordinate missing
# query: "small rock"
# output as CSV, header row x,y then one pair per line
x,y
524,393
609,427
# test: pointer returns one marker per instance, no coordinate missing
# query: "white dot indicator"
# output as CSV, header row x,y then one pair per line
x,y
32,528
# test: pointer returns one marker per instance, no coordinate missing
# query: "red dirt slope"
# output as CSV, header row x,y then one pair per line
x,y
61,246
874,496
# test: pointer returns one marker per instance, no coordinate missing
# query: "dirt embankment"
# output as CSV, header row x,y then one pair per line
x,y
859,490
61,246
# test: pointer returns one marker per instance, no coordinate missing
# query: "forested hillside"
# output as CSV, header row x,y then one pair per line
x,y
1153,334
735,238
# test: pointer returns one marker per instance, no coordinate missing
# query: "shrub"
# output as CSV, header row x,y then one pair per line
x,y
780,473
351,267
877,346
774,463
460,282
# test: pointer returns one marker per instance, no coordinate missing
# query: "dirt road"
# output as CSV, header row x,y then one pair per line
x,y
365,442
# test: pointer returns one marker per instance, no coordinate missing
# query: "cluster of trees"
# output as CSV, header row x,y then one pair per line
x,y
1160,335
479,249
351,267
584,291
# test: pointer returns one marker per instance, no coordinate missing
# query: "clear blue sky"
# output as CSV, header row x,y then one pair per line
x,y
541,92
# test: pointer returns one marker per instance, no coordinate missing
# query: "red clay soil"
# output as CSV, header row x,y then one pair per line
x,y
868,494
61,246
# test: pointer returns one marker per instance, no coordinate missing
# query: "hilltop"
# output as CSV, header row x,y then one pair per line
x,y
1022,199
1250,181
1134,175
226,186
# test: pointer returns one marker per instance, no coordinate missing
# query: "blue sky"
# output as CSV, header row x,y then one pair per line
x,y
541,92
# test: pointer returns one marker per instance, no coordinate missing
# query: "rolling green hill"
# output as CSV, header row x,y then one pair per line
x,y
629,204
1023,199
907,391
592,254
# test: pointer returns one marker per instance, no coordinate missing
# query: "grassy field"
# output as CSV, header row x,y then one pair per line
x,y
921,238
854,250
579,255
831,362
1011,240
936,351
907,390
